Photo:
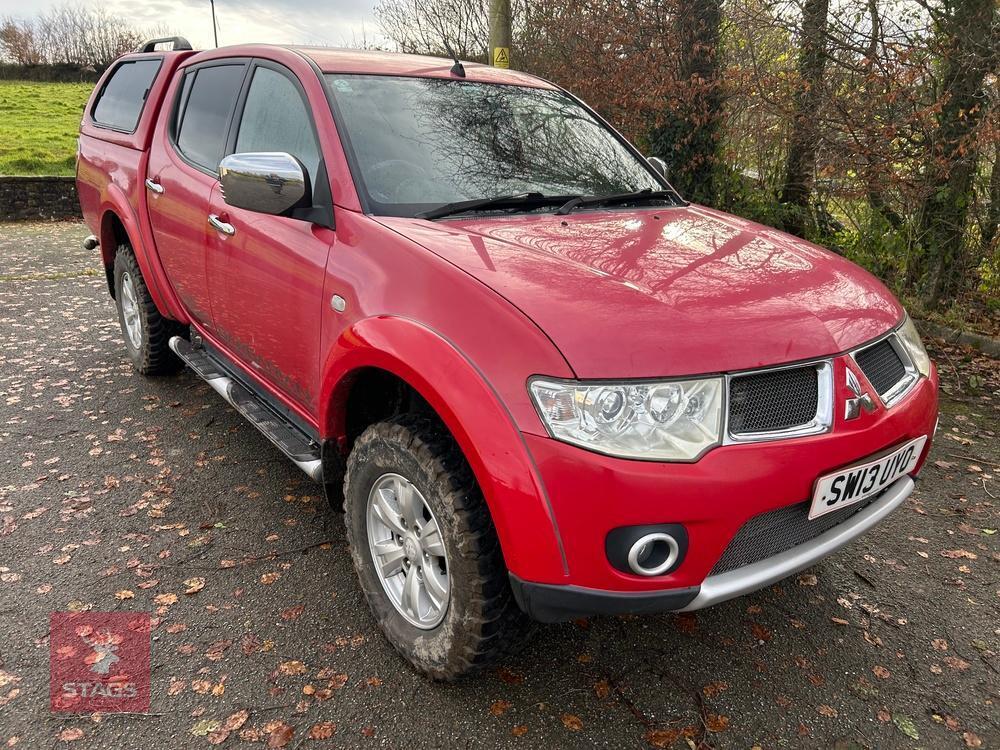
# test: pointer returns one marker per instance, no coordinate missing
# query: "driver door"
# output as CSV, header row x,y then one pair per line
x,y
266,276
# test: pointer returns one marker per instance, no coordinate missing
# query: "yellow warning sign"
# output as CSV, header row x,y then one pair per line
x,y
501,57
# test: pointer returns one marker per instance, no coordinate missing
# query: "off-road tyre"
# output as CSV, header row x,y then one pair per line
x,y
153,355
482,622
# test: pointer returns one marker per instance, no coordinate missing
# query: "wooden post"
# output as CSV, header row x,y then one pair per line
x,y
500,33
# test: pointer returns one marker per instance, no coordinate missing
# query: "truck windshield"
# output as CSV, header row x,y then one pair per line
x,y
421,143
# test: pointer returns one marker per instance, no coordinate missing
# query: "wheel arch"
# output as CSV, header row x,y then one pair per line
x,y
119,224
112,235
400,350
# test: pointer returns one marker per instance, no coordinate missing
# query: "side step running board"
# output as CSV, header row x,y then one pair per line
x,y
288,438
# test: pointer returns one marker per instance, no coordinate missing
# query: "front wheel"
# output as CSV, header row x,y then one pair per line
x,y
425,549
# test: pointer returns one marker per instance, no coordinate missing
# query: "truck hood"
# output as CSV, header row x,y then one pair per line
x,y
676,291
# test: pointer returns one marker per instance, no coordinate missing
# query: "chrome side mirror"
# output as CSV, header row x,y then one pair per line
x,y
267,182
659,166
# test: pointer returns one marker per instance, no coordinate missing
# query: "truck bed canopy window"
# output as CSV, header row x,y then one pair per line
x,y
119,104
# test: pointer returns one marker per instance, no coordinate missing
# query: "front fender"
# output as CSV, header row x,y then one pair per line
x,y
480,422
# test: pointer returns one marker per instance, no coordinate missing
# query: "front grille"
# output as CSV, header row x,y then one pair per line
x,y
779,530
882,365
773,400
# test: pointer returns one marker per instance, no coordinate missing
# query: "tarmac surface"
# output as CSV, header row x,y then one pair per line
x,y
120,493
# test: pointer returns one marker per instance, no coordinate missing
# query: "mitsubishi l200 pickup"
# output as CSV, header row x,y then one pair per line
x,y
541,383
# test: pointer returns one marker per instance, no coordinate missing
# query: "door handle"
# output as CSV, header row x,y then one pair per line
x,y
154,186
222,226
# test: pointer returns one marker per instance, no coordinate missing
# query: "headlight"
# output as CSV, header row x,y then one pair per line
x,y
910,340
667,421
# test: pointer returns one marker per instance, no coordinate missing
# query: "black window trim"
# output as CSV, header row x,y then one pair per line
x,y
180,104
100,94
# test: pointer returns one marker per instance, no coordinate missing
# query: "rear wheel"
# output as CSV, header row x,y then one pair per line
x,y
144,330
425,549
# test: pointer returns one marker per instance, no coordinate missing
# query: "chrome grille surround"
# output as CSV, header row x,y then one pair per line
x,y
819,421
894,392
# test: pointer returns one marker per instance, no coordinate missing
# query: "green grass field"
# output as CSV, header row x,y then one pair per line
x,y
38,126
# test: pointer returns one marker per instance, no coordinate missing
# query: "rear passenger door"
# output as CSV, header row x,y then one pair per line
x,y
183,169
266,278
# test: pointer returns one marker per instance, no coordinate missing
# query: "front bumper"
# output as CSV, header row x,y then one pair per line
x,y
548,603
712,498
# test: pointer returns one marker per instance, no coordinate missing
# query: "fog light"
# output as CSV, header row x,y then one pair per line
x,y
653,554
647,550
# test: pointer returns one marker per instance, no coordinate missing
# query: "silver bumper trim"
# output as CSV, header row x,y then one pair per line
x,y
725,586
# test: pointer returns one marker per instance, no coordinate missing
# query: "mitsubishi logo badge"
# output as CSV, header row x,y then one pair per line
x,y
860,401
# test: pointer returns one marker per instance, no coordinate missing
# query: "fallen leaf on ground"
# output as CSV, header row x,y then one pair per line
x,y
231,724
572,722
205,726
905,725
293,613
713,689
972,739
953,554
499,708
322,731
292,667
716,723
662,738
280,736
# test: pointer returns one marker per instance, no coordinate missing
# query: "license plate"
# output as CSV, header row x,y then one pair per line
x,y
854,484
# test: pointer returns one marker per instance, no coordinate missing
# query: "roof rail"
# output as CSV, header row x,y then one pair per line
x,y
179,43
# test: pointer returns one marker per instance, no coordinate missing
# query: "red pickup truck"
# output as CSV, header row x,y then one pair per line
x,y
538,380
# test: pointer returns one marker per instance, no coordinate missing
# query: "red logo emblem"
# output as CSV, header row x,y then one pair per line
x,y
99,661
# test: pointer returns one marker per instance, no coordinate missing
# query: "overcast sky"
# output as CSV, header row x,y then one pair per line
x,y
331,22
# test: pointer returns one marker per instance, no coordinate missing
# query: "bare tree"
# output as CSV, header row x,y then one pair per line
x,y
70,35
18,43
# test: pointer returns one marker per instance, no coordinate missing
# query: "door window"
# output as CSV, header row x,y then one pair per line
x,y
275,118
120,102
207,100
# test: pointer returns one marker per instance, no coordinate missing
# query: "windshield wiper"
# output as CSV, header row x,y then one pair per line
x,y
517,200
637,196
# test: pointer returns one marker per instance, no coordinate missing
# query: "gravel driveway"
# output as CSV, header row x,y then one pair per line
x,y
119,493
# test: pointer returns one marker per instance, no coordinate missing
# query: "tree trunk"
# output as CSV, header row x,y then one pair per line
x,y
802,141
970,35
688,138
993,209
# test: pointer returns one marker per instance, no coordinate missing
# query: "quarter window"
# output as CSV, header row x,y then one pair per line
x,y
275,118
207,101
119,104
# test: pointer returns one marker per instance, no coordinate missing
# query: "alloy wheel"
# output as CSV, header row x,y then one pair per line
x,y
408,550
130,311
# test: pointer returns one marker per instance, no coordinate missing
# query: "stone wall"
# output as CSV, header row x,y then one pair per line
x,y
33,198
